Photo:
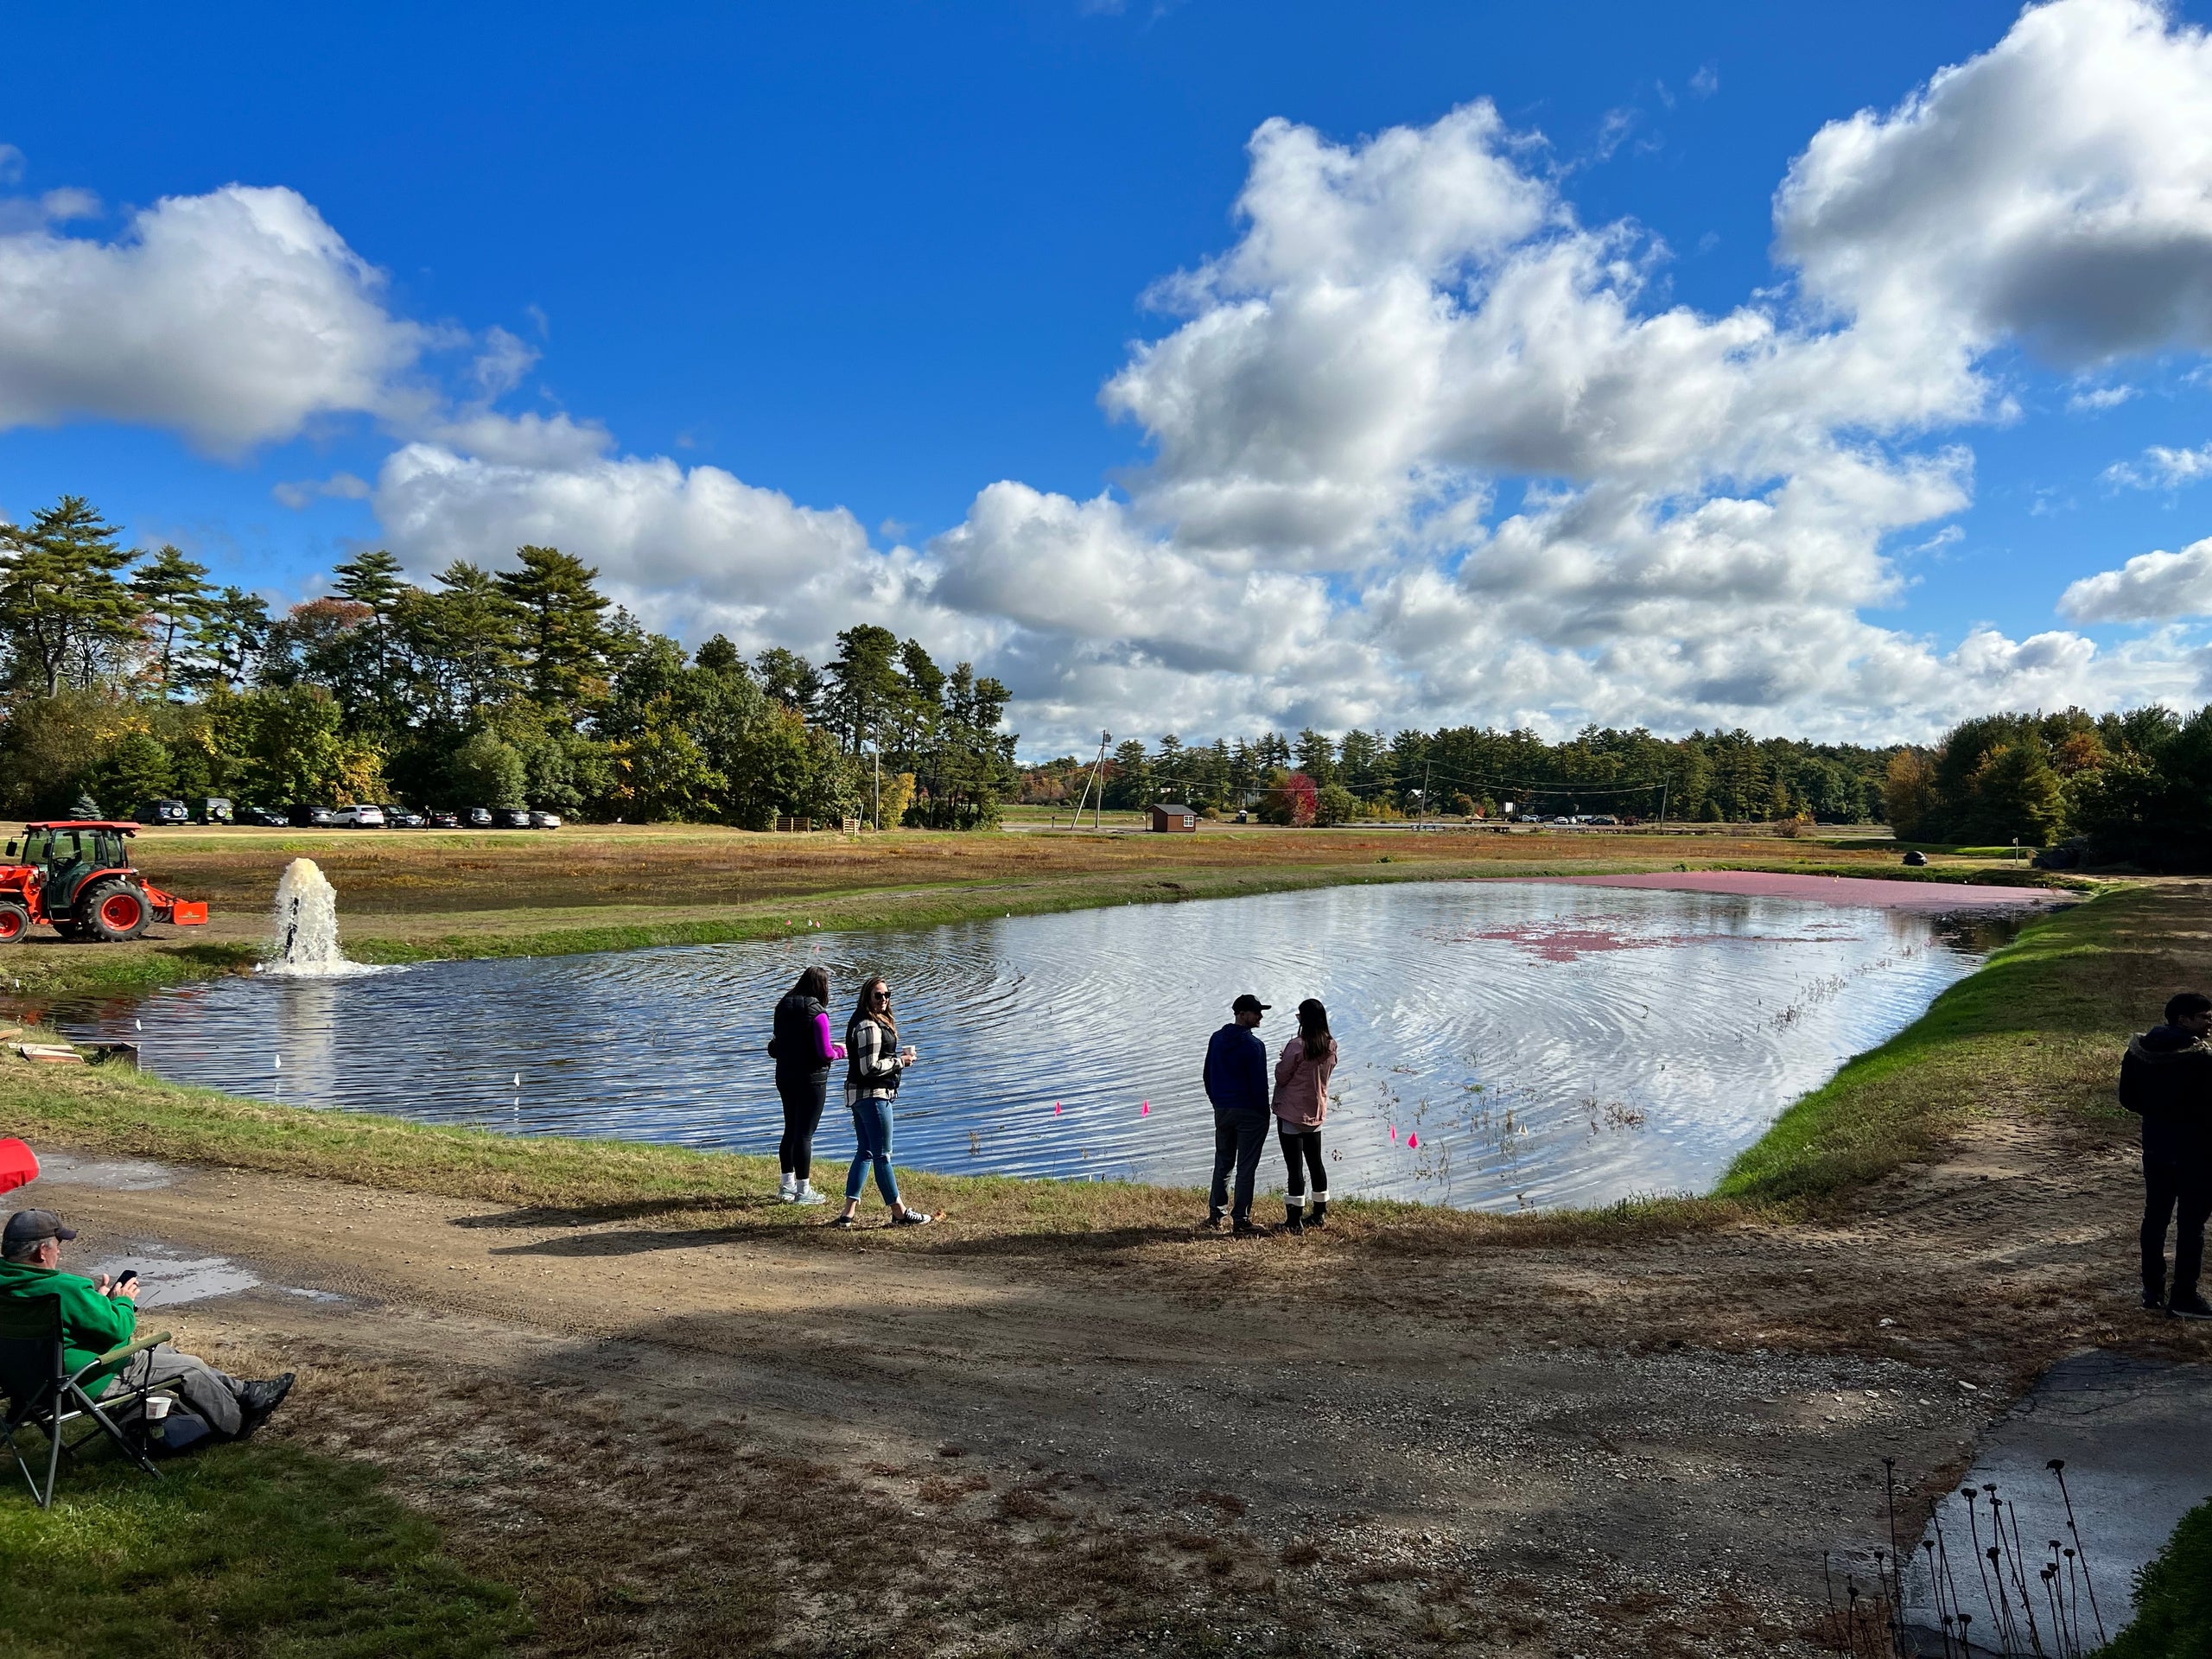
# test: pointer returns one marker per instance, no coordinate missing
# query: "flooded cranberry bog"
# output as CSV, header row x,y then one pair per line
x,y
1506,1045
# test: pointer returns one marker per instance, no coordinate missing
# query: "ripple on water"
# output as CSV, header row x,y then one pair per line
x,y
1504,1044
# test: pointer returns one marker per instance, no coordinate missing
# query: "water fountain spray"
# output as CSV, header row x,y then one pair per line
x,y
304,945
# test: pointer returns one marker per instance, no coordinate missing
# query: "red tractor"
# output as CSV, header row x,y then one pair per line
x,y
76,876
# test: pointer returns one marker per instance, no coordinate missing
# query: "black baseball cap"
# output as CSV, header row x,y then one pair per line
x,y
26,1225
1249,1003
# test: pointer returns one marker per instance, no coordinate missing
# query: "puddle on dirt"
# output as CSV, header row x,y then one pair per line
x,y
1505,1044
109,1174
167,1279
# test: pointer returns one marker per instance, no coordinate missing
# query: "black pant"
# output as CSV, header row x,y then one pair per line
x,y
1238,1140
1303,1147
803,1097
2170,1185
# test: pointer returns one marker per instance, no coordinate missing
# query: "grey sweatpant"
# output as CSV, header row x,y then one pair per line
x,y
212,1394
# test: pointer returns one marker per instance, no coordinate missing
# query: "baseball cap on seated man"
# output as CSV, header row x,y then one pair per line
x,y
1249,1003
28,1226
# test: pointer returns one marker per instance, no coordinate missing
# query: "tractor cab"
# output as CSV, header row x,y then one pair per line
x,y
76,875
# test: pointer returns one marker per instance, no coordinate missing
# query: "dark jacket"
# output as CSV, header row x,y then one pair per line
x,y
797,1043
1236,1070
2166,1080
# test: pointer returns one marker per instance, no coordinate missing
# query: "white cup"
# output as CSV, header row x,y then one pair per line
x,y
158,1411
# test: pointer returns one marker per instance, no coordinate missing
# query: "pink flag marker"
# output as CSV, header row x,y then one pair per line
x,y
1056,1108
1412,1140
1145,1110
1394,1135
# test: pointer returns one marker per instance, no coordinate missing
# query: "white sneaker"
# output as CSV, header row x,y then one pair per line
x,y
787,1190
806,1194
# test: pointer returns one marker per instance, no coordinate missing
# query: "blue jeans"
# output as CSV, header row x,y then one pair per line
x,y
872,1145
1239,1137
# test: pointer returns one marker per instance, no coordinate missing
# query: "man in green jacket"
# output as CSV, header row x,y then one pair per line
x,y
97,1315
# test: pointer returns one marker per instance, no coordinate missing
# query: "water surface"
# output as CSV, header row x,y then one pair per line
x,y
1505,1044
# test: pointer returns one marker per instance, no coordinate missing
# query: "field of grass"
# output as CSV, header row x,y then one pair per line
x,y
241,1550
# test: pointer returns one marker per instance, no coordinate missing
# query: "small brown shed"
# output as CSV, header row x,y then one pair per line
x,y
1168,819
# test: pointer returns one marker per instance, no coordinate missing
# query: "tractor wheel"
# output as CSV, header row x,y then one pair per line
x,y
14,922
113,911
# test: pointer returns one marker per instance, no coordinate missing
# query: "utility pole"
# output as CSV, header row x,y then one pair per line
x,y
1662,803
1075,820
1098,809
878,814
1427,770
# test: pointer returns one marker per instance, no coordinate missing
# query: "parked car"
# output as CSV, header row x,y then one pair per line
x,y
513,818
545,820
398,817
480,818
1606,817
310,817
214,809
445,820
358,817
267,816
166,812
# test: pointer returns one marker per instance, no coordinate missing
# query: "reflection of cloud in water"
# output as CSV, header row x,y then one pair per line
x,y
1478,1021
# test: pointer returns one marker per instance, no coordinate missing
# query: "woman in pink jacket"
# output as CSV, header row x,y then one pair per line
x,y
1302,1101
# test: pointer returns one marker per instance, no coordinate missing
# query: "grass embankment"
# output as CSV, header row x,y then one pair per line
x,y
2173,1598
2039,1026
412,896
241,1549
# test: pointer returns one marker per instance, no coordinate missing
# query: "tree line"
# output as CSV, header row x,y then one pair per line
x,y
2115,789
1715,777
126,677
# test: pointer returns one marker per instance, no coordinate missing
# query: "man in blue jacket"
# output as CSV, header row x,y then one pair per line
x,y
1236,1083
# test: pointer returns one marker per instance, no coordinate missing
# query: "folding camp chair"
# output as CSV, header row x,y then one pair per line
x,y
45,1394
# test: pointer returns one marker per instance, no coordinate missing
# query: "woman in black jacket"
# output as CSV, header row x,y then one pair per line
x,y
803,1054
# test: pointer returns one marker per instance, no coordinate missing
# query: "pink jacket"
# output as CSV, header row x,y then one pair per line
x,y
1302,1087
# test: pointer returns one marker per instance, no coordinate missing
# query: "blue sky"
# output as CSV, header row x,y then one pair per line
x,y
865,262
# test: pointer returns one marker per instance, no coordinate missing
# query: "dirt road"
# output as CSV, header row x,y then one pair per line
x,y
679,1431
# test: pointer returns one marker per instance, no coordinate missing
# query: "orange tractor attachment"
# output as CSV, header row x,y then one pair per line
x,y
75,876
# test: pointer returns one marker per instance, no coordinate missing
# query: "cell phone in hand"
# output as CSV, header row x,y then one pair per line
x,y
128,1277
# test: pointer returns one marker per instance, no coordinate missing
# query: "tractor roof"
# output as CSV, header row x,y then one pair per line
x,y
128,826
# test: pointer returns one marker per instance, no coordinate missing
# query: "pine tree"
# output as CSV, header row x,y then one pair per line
x,y
230,640
865,685
173,590
564,640
63,605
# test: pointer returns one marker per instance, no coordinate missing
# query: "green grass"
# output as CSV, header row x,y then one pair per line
x,y
246,1550
2173,1598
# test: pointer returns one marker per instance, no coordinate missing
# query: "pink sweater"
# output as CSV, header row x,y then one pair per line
x,y
1302,1087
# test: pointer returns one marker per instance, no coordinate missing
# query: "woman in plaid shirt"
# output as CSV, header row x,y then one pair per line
x,y
873,1061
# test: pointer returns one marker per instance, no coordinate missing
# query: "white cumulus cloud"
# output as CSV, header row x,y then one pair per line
x,y
693,551
2151,587
2162,468
232,318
